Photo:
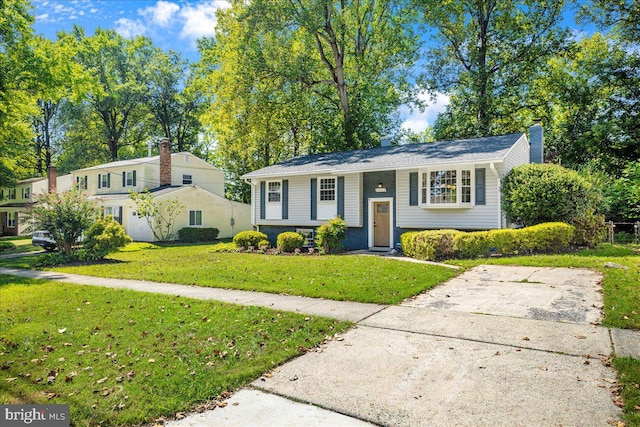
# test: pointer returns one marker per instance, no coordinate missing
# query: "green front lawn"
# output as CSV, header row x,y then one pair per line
x,y
121,357
338,277
621,287
23,244
629,379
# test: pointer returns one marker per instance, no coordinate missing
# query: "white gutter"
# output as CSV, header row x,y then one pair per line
x,y
497,174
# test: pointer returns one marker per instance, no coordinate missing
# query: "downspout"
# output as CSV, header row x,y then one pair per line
x,y
253,218
492,166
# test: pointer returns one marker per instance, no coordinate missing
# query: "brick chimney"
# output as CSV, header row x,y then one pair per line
x,y
52,177
536,141
165,162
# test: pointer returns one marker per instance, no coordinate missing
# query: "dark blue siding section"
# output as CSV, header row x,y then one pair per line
x,y
341,197
263,195
285,199
314,200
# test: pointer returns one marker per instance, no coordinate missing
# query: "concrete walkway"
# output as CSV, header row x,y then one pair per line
x,y
494,346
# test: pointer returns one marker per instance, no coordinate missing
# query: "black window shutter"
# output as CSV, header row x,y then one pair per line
x,y
285,199
134,178
124,179
413,189
86,181
314,201
109,182
263,201
99,180
481,198
119,213
341,196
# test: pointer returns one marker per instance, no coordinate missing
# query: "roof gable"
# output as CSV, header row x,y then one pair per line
x,y
485,149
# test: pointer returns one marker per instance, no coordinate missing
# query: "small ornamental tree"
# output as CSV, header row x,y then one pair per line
x,y
65,215
537,193
161,216
329,235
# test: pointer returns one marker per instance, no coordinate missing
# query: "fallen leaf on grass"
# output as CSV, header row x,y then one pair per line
x,y
62,331
609,380
10,379
101,380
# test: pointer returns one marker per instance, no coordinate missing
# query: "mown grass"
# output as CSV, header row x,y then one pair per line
x,y
23,244
629,379
120,357
621,287
338,277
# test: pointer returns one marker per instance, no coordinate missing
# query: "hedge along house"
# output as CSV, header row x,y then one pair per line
x,y
197,185
384,191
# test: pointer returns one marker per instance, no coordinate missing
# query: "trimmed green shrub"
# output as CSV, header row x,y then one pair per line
x,y
429,244
197,234
473,245
289,241
590,230
105,236
329,235
539,193
263,243
438,244
548,237
6,246
249,238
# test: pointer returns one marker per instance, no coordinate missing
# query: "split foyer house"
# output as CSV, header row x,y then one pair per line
x,y
384,191
197,185
15,201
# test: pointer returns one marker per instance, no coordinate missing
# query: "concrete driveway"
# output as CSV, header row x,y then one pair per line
x,y
496,346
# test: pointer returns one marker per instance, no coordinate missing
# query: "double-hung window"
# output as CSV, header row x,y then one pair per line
x,y
81,182
129,179
11,219
104,181
273,204
447,188
195,218
187,179
26,192
12,194
327,204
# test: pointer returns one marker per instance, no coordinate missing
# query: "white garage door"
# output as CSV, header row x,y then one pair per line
x,y
138,228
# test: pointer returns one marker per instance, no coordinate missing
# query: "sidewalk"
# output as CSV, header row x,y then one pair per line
x,y
341,310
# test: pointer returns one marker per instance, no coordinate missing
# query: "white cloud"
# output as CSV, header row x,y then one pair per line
x,y
128,28
418,121
44,18
162,14
200,20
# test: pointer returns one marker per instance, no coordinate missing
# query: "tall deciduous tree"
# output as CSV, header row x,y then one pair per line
x,y
119,68
58,78
292,77
16,78
592,93
174,104
486,54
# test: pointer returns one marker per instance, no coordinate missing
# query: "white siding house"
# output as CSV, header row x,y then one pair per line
x,y
382,192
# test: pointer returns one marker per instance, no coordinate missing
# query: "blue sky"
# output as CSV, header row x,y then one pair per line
x,y
175,25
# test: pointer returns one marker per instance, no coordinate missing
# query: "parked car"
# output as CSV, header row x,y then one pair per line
x,y
43,238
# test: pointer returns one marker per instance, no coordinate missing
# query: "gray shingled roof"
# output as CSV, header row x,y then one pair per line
x,y
485,149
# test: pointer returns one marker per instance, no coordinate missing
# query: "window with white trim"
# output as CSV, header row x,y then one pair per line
x,y
12,194
447,187
273,205
327,189
81,182
104,180
26,192
274,194
11,219
327,201
129,179
195,218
